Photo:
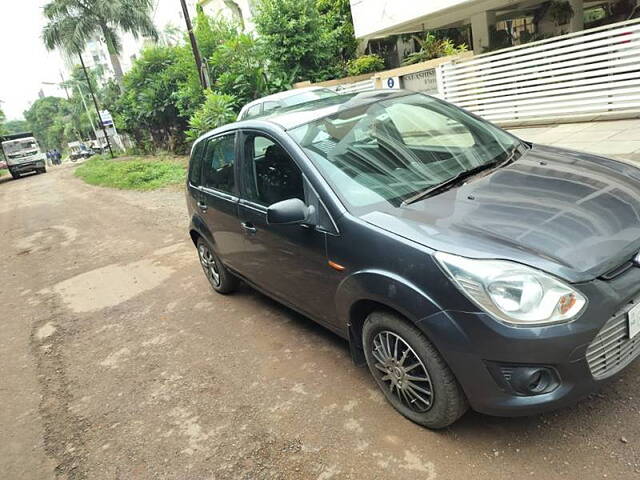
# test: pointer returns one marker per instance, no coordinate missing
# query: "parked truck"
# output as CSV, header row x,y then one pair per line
x,y
23,154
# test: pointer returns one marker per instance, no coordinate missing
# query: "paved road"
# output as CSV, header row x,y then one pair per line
x,y
118,362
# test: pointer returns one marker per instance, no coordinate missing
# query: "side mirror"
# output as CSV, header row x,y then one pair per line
x,y
287,212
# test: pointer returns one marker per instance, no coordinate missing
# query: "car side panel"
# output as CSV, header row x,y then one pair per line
x,y
386,279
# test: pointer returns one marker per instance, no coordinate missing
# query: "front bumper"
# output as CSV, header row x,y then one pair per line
x,y
27,166
472,343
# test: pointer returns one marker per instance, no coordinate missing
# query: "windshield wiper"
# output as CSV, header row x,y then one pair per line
x,y
451,182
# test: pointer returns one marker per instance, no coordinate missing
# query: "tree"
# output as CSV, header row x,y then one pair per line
x,y
338,28
242,69
147,109
217,110
51,122
74,22
210,35
2,120
295,38
15,126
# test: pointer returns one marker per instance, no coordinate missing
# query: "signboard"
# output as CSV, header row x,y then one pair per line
x,y
106,118
424,81
391,83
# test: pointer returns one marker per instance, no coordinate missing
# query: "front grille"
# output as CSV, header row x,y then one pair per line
x,y
612,349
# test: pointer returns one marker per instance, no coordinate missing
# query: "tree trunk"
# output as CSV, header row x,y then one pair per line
x,y
113,56
117,68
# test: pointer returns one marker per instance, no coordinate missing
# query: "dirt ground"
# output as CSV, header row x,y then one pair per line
x,y
119,362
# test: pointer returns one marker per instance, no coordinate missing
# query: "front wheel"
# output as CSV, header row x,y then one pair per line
x,y
15,175
219,277
410,372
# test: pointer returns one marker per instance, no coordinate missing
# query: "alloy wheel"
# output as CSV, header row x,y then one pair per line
x,y
402,372
208,262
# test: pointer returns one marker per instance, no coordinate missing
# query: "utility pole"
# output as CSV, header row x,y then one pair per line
x,y
95,102
194,45
64,85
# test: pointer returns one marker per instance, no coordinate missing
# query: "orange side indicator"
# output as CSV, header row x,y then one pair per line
x,y
336,266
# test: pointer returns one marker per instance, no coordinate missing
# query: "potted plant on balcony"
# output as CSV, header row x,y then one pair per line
x,y
560,12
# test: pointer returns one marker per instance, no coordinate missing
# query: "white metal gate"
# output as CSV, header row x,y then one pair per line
x,y
593,73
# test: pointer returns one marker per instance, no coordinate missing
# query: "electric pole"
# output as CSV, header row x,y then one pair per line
x,y
95,103
194,46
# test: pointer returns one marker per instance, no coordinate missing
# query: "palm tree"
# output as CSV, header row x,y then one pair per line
x,y
70,38
72,23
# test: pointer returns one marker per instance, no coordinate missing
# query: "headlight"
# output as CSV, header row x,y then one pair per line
x,y
511,292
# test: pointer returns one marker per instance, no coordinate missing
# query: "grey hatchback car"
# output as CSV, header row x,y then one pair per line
x,y
464,266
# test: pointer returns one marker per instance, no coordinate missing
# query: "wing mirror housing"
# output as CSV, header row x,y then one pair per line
x,y
288,212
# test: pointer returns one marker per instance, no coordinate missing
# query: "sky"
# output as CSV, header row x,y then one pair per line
x,y
24,61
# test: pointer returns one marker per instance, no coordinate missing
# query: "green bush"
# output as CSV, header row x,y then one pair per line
x,y
131,174
433,47
304,37
365,64
217,110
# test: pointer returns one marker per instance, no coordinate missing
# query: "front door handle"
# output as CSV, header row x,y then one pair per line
x,y
202,206
249,228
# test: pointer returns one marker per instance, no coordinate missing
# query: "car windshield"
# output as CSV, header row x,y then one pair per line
x,y
307,97
382,154
19,146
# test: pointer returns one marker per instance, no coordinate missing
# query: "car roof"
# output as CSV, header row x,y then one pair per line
x,y
285,94
298,115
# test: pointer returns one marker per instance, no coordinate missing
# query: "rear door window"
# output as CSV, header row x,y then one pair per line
x,y
195,163
218,164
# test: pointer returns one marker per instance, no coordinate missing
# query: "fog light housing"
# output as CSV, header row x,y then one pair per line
x,y
525,380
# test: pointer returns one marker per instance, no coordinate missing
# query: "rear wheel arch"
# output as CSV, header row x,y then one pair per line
x,y
195,235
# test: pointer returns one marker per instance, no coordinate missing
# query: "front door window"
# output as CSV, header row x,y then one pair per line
x,y
270,174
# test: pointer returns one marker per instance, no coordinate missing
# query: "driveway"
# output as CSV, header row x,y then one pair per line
x,y
119,362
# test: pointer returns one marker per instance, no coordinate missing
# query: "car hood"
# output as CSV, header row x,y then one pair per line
x,y
571,214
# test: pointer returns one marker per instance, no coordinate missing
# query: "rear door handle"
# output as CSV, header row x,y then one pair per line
x,y
249,228
202,206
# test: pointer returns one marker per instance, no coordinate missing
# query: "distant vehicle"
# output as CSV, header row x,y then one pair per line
x,y
271,103
98,146
79,150
23,154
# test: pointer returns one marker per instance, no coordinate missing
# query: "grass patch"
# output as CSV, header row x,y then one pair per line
x,y
132,173
3,172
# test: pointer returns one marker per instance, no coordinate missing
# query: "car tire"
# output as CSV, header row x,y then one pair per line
x,y
220,279
15,175
410,371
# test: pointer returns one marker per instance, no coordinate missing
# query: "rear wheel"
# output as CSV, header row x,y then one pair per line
x,y
219,277
410,372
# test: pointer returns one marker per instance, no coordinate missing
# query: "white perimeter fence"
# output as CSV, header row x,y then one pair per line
x,y
580,76
594,73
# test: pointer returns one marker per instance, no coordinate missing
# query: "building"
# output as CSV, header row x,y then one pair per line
x,y
239,11
487,24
